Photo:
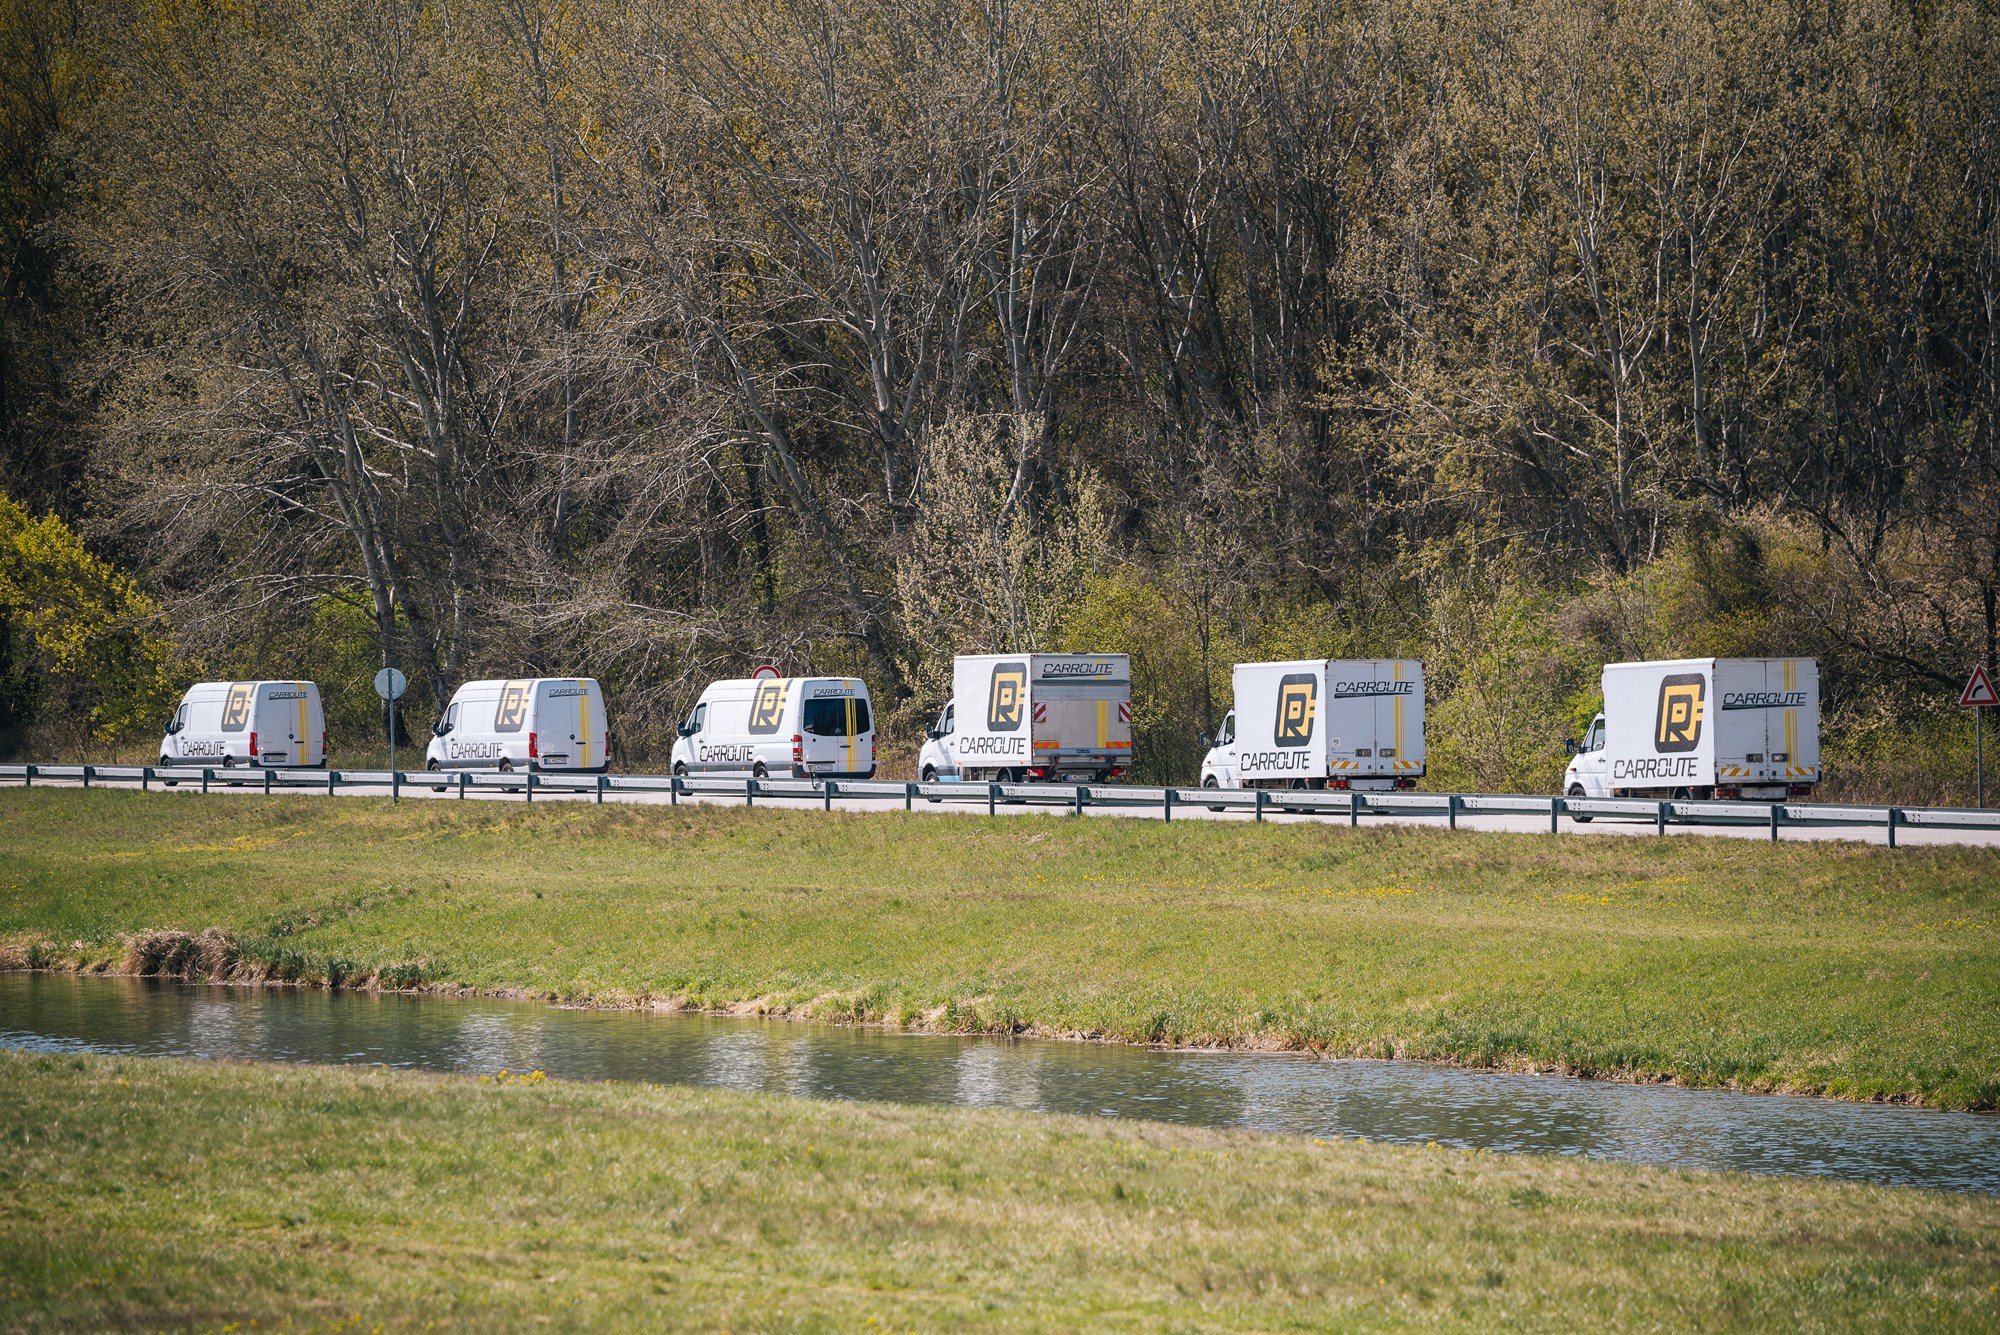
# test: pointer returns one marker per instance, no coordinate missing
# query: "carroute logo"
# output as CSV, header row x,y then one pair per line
x,y
1298,693
767,711
1007,697
1764,700
236,708
512,710
1677,727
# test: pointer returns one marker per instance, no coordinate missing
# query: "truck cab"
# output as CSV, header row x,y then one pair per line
x,y
1218,767
1589,772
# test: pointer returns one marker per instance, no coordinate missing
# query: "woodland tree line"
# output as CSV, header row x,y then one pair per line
x,y
655,339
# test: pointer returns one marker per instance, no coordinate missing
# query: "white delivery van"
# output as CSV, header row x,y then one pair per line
x,y
796,727
1320,723
529,723
230,723
1703,727
1014,718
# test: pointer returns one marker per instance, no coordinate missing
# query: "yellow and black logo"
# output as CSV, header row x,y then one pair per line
x,y
1007,697
236,706
1678,726
1298,697
767,711
513,709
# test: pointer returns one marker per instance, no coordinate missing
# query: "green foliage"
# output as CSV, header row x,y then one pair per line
x,y
83,640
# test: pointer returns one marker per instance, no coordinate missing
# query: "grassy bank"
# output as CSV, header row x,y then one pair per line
x,y
160,1195
1821,968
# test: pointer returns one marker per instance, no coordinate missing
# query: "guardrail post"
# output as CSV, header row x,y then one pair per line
x,y
1661,818
992,797
464,782
206,772
267,783
1777,812
332,778
909,797
145,778
531,785
1169,804
1556,808
828,790
1262,797
87,772
1356,804
749,792
603,782
1082,796
1895,819
28,776
1451,811
674,792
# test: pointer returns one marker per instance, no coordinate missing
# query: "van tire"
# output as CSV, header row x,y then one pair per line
x,y
168,764
435,768
1210,782
680,769
507,767
930,776
757,771
1576,790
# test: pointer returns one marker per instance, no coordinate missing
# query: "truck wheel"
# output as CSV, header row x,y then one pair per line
x,y
1210,782
930,776
166,764
1576,790
435,768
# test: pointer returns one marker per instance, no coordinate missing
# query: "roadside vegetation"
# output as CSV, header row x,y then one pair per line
x,y
152,1194
1831,969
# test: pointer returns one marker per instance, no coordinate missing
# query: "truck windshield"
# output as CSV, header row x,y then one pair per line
x,y
828,718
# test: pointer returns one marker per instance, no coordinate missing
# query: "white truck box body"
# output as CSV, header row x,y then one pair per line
x,y
272,723
538,723
1355,723
1694,725
787,727
1068,716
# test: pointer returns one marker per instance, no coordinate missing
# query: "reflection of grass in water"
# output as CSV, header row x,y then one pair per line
x,y
168,1195
1823,967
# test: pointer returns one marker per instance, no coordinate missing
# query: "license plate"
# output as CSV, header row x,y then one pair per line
x,y
819,766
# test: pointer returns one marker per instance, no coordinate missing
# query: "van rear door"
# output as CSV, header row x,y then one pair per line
x,y
559,725
836,732
284,726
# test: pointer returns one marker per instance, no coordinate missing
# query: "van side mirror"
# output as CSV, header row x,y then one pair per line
x,y
1208,741
440,728
1570,747
684,729
932,732
172,726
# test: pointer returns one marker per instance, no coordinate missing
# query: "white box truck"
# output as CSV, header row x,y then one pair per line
x,y
1018,718
528,723
231,723
1701,728
1322,723
795,727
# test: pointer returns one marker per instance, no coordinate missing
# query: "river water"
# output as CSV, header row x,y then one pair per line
x,y
1401,1102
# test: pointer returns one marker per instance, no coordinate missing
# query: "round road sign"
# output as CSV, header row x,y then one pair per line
x,y
390,684
765,673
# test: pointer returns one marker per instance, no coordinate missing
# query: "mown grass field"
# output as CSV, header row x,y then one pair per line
x,y
156,1195
1835,969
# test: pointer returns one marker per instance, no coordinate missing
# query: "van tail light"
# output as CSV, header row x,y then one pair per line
x,y
253,746
798,749
534,751
325,746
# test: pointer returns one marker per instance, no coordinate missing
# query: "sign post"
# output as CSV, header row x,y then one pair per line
x,y
1978,696
390,685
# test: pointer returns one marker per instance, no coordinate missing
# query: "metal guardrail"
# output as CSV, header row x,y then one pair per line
x,y
1076,798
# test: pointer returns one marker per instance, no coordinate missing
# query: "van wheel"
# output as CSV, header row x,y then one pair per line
x,y
435,768
757,771
507,767
1576,790
1211,783
168,764
680,769
930,776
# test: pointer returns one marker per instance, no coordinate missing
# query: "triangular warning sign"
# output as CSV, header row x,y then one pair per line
x,y
1979,690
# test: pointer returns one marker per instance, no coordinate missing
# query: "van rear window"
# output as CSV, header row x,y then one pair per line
x,y
828,718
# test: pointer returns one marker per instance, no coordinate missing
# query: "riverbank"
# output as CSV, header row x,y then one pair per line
x,y
174,1195
1825,969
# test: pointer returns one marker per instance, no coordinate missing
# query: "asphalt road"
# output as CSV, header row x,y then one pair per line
x,y
1907,835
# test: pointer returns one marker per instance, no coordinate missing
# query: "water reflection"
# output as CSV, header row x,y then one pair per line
x,y
1389,1101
